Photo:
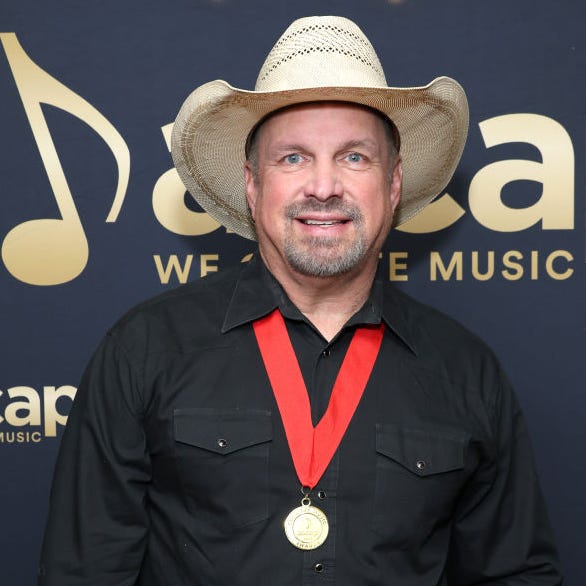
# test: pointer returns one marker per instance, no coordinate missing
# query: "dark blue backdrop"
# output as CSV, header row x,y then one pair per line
x,y
96,78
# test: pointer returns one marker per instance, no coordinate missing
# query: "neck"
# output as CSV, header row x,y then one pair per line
x,y
328,303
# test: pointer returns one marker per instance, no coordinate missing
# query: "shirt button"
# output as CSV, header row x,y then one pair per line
x,y
319,568
420,464
222,443
326,353
321,494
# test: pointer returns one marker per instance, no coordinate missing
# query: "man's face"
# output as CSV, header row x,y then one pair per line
x,y
324,189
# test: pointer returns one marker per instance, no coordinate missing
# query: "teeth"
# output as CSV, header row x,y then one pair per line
x,y
321,223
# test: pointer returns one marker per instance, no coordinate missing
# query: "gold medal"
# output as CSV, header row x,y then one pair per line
x,y
306,527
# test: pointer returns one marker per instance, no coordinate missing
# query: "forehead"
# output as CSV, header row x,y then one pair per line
x,y
316,117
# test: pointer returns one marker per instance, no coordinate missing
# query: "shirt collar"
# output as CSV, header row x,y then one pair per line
x,y
257,293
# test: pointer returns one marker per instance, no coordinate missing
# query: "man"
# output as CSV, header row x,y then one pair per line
x,y
296,420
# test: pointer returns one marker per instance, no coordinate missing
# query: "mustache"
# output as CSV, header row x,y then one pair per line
x,y
330,205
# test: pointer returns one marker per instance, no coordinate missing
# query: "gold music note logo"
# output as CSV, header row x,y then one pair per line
x,y
51,251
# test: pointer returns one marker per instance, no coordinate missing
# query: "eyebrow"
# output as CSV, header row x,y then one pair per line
x,y
288,148
351,144
364,143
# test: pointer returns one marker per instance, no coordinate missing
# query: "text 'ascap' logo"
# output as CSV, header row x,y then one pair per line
x,y
28,415
555,173
51,251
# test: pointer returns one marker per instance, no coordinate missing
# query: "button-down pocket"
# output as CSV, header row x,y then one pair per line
x,y
418,477
223,458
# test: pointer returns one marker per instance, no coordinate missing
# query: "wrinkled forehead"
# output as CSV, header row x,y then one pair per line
x,y
391,132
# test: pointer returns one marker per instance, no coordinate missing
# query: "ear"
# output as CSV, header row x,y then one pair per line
x,y
396,183
251,188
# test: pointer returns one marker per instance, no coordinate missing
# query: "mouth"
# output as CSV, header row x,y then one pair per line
x,y
329,218
322,223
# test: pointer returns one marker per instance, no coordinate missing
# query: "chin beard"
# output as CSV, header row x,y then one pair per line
x,y
319,257
323,256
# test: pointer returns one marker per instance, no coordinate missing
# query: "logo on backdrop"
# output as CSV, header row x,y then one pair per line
x,y
52,251
29,415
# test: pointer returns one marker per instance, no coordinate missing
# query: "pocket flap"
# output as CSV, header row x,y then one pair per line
x,y
222,431
422,451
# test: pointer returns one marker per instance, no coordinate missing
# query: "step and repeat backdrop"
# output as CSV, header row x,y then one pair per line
x,y
93,217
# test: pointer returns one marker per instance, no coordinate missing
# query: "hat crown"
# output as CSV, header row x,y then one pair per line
x,y
321,51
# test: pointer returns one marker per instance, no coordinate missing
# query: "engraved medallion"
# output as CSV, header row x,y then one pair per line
x,y
306,526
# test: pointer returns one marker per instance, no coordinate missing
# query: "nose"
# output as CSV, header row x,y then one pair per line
x,y
324,181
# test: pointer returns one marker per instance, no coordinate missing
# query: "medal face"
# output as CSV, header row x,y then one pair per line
x,y
306,527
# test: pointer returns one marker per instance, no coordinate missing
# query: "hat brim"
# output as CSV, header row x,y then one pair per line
x,y
214,122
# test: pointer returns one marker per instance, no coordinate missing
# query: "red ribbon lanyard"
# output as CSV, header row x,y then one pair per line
x,y
313,448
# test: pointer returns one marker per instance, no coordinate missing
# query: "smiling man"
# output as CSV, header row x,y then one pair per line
x,y
322,182
297,421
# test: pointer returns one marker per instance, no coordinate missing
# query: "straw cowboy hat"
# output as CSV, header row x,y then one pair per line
x,y
316,59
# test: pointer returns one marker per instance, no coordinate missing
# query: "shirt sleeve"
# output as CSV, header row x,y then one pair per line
x,y
97,525
501,532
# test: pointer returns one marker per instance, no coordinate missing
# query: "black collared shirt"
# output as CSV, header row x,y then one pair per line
x,y
174,468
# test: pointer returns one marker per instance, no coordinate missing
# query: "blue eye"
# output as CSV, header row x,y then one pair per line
x,y
293,158
354,157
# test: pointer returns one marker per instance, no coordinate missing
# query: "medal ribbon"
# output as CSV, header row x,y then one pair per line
x,y
312,448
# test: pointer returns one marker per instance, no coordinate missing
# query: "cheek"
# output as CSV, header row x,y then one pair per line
x,y
273,199
378,215
268,206
270,215
377,205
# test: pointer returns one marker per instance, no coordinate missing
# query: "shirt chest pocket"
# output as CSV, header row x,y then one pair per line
x,y
419,474
222,459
